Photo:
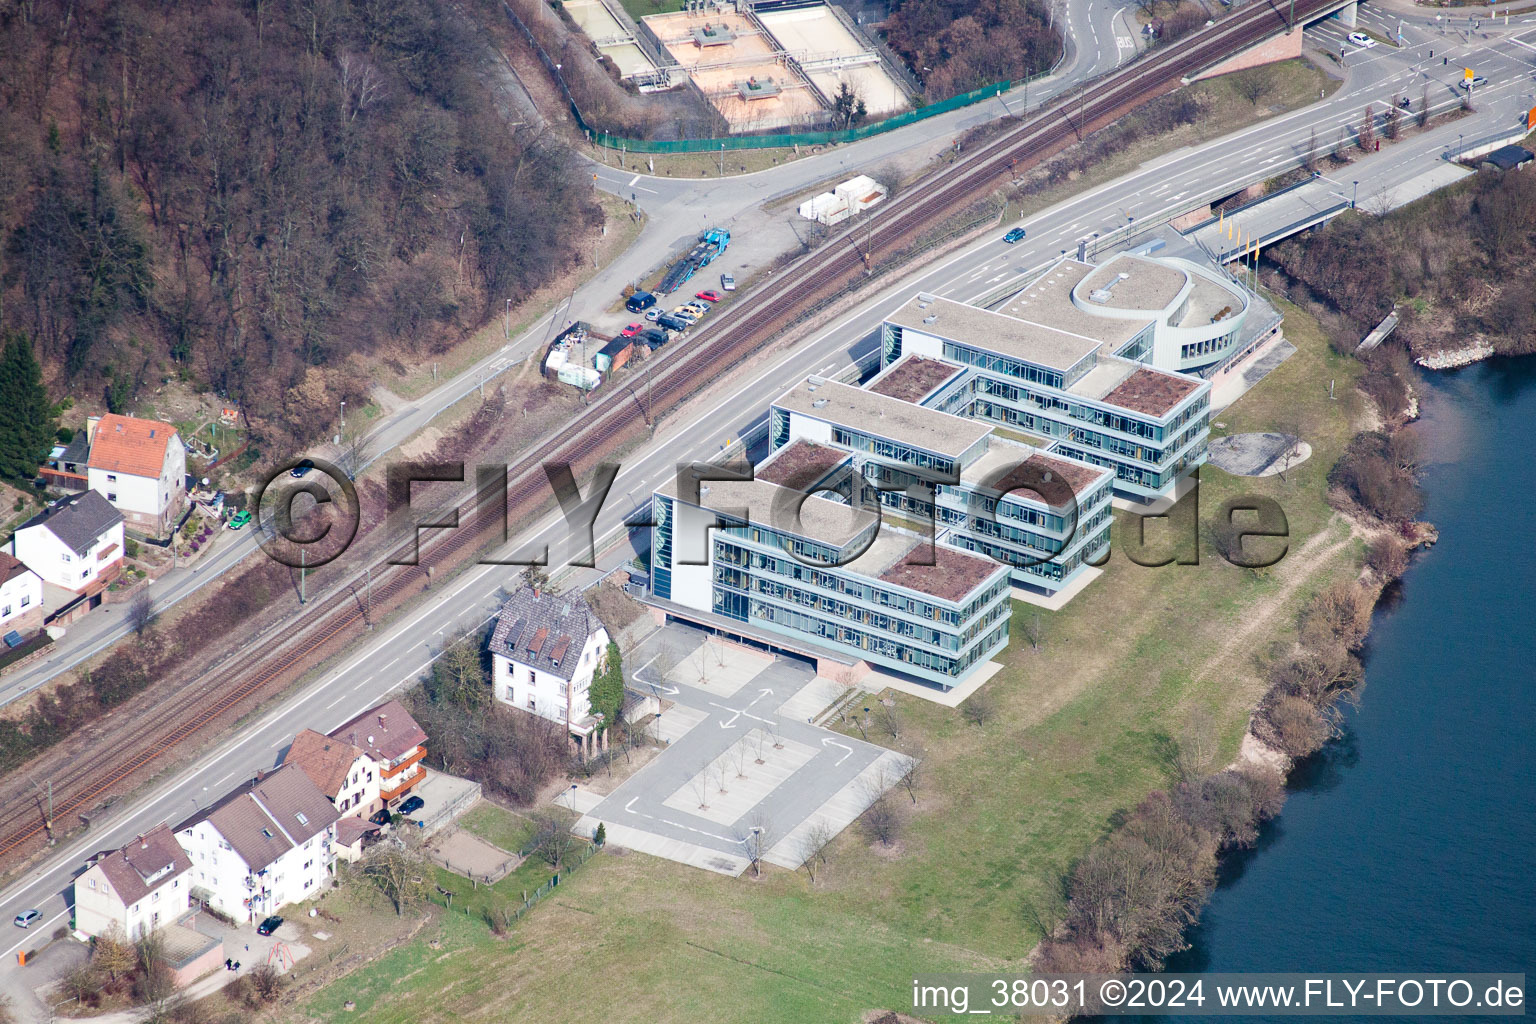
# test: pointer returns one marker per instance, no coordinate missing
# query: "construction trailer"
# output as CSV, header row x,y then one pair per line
x,y
708,248
612,356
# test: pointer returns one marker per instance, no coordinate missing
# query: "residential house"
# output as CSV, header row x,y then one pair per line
x,y
347,776
21,596
140,466
262,847
390,738
137,889
75,544
545,649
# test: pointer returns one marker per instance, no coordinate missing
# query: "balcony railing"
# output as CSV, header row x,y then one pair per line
x,y
404,763
387,792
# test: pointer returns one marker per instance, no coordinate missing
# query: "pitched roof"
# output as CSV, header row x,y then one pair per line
x,y
126,444
269,817
145,864
383,733
77,520
11,567
350,830
325,760
541,629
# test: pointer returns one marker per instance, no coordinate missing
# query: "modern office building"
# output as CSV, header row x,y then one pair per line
x,y
813,568
1073,382
1045,518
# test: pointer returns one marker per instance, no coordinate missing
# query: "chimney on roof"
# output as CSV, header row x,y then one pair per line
x,y
261,773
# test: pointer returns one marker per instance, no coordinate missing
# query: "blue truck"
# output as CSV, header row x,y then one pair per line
x,y
709,247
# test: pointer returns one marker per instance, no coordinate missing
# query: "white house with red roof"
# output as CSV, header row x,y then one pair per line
x,y
140,466
137,889
392,740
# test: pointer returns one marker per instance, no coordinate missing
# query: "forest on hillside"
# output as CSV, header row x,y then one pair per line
x,y
257,195
955,46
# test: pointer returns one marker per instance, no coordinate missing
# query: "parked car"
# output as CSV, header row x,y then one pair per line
x,y
709,295
687,316
697,308
1476,82
654,337
630,331
269,926
1362,40
654,312
303,468
728,282
239,519
640,302
379,817
673,323
412,805
1016,235
26,917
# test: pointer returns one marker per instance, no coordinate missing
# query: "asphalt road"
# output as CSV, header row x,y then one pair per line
x,y
402,650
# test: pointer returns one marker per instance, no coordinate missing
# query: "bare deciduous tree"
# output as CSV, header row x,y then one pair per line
x,y
881,821
912,777
978,708
815,842
553,839
1196,751
397,867
141,614
700,784
889,719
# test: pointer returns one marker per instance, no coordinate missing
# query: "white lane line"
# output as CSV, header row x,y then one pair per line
x,y
362,684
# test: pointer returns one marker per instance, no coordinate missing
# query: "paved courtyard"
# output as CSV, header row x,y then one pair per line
x,y
742,753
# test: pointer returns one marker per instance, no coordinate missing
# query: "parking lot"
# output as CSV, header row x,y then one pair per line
x,y
742,754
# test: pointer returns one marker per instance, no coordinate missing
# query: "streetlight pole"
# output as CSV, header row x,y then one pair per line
x,y
722,159
1355,194
757,851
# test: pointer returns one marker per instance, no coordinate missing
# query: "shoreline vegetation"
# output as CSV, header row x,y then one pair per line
x,y
1130,901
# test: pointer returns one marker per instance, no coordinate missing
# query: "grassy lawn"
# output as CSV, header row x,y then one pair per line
x,y
1080,733
640,8
497,826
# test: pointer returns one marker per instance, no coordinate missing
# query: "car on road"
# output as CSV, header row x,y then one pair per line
x,y
630,331
1475,82
269,926
26,917
684,314
1362,40
654,313
239,519
411,805
1016,235
303,468
728,282
708,295
640,302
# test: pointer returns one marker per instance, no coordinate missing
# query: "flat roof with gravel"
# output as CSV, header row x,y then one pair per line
x,y
1147,285
772,506
800,464
870,412
913,378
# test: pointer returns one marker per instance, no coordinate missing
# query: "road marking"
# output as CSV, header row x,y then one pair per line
x,y
362,684
831,742
632,181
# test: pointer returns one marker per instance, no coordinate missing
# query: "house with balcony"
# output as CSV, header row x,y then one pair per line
x,y
137,889
140,467
347,776
389,738
545,650
75,546
21,597
269,843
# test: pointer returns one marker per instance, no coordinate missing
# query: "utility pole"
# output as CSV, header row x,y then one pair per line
x,y
368,615
48,816
302,553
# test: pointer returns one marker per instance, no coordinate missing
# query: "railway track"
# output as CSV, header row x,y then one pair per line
x,y
744,328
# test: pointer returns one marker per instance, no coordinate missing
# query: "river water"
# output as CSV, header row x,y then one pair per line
x,y
1410,843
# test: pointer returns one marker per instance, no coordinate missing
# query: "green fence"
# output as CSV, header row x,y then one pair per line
x,y
785,141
